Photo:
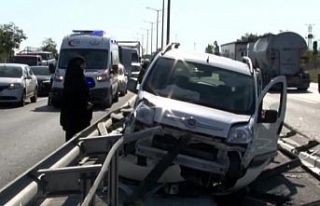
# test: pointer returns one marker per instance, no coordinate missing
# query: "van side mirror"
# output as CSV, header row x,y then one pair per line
x,y
132,85
52,68
269,116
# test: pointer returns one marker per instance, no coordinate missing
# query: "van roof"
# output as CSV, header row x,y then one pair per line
x,y
86,41
214,60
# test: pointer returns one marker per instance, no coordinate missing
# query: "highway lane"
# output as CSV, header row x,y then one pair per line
x,y
30,133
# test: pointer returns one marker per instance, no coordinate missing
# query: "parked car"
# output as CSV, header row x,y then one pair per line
x,y
17,84
212,109
44,79
122,79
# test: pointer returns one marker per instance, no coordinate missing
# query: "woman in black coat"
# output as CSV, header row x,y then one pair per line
x,y
76,109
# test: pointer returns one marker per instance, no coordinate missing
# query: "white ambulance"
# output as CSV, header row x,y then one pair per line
x,y
102,60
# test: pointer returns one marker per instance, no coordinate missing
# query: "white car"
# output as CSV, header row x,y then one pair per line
x,y
122,80
17,84
217,105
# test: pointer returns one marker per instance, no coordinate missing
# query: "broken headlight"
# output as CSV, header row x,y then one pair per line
x,y
145,113
240,135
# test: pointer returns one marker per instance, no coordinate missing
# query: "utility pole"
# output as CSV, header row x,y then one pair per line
x,y
151,35
162,32
157,36
147,41
168,22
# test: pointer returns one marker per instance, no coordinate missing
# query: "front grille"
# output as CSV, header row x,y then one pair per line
x,y
199,150
3,87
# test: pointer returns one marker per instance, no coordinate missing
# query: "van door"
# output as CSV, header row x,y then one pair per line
x,y
270,114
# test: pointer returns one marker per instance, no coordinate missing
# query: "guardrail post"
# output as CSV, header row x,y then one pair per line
x,y
86,184
113,178
319,82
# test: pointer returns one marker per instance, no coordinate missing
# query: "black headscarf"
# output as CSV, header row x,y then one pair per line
x,y
74,77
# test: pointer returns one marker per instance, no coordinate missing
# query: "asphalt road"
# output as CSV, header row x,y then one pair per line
x,y
303,110
30,133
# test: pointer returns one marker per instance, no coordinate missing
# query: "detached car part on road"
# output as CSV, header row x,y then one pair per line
x,y
217,106
17,84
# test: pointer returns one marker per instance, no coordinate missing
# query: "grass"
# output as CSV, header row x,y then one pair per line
x,y
314,74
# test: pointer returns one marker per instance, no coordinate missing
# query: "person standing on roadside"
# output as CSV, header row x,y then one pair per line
x,y
76,109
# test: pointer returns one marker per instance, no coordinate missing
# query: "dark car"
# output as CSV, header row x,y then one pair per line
x,y
44,79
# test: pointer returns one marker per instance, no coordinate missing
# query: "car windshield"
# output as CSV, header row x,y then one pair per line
x,y
202,84
40,70
11,72
95,58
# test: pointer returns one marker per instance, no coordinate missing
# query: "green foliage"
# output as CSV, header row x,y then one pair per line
x,y
49,45
314,74
11,37
213,48
209,49
216,48
315,47
249,37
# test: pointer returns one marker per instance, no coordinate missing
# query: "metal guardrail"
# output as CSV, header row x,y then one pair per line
x,y
26,188
112,159
309,159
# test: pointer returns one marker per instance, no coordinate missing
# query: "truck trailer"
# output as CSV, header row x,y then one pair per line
x,y
281,54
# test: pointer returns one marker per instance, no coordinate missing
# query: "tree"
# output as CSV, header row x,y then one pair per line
x,y
10,38
49,45
249,37
216,48
209,49
315,47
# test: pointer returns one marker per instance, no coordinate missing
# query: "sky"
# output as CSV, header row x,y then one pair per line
x,y
194,23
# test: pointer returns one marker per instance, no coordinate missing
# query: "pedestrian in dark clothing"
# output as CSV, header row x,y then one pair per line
x,y
76,109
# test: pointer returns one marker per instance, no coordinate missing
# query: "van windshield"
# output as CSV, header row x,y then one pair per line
x,y
201,84
95,58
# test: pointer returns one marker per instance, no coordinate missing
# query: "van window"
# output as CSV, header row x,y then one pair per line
x,y
95,58
29,60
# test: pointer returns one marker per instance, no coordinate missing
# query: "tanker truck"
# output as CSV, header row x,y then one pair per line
x,y
281,54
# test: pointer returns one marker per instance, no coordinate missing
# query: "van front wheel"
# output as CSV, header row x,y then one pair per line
x,y
108,102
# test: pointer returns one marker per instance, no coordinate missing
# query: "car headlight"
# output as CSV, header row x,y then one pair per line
x,y
14,86
102,78
240,135
144,113
58,78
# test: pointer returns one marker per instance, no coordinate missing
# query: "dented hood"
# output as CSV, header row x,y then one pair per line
x,y
193,117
